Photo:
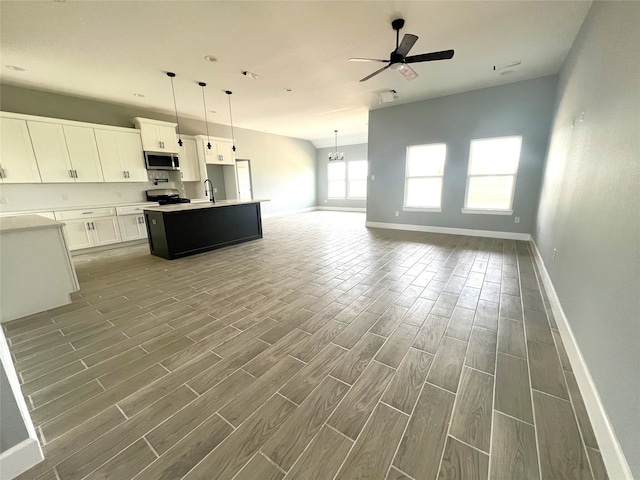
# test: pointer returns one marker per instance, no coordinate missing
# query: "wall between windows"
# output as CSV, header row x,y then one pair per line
x,y
589,209
351,153
521,108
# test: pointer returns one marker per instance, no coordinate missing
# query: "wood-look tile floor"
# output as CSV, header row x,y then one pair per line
x,y
323,351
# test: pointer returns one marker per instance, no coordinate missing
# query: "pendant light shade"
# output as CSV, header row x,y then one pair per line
x,y
233,137
336,156
206,122
171,75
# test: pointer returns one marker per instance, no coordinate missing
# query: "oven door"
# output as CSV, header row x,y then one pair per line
x,y
159,161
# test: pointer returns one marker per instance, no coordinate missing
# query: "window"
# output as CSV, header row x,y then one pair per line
x,y
336,180
357,183
491,179
423,177
347,180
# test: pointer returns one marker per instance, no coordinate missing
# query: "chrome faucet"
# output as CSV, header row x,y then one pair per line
x,y
209,193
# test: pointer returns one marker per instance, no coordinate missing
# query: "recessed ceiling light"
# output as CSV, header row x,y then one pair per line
x,y
288,89
210,58
138,95
15,68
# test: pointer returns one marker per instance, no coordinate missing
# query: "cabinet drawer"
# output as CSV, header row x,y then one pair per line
x,y
134,209
87,213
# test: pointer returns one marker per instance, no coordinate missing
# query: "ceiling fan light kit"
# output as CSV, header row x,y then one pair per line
x,y
398,59
336,156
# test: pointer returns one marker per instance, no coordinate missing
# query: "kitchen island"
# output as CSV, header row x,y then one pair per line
x,y
184,229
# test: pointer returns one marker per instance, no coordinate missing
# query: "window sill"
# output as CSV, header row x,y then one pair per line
x,y
477,211
422,209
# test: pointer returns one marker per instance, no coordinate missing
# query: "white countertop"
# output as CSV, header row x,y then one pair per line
x,y
77,207
180,207
27,222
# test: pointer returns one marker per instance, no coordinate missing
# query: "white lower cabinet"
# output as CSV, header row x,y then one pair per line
x,y
132,227
90,228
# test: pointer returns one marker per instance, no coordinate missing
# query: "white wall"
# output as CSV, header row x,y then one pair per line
x,y
590,209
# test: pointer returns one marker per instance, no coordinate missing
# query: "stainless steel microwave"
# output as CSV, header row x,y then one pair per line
x,y
161,161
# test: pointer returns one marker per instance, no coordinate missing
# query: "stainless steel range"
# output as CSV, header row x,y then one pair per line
x,y
165,196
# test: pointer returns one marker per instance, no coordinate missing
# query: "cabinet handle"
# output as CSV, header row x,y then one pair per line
x,y
87,213
71,173
88,225
75,173
1,172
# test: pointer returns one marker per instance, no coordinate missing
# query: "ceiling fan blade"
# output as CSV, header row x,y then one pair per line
x,y
408,72
359,59
428,57
407,42
374,73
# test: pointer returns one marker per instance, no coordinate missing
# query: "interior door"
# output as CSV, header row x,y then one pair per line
x,y
243,171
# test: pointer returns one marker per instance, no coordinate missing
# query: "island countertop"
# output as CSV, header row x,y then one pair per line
x,y
181,207
27,222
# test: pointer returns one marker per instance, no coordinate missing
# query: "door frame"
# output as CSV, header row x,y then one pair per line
x,y
250,175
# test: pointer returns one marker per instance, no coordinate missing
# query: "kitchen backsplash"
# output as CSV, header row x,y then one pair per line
x,y
52,196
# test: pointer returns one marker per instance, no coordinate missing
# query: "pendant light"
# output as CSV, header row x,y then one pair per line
x,y
171,75
336,156
206,122
233,137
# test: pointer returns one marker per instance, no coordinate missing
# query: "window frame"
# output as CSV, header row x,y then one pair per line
x,y
411,208
492,211
344,191
348,179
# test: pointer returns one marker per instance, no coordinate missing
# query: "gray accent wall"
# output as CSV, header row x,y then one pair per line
x,y
521,108
590,209
283,169
351,152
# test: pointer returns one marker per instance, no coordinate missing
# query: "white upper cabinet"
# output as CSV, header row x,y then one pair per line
x,y
17,160
83,152
51,152
157,136
220,153
189,166
121,156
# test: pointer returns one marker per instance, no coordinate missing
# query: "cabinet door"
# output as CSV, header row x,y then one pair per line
x,y
85,161
189,168
151,142
225,153
107,143
131,156
167,136
51,152
132,227
104,230
17,160
77,234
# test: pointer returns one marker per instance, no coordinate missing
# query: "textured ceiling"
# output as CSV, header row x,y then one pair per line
x,y
109,50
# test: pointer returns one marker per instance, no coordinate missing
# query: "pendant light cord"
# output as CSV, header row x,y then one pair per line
x,y
175,106
206,122
336,132
233,137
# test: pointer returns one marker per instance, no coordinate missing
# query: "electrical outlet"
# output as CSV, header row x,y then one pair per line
x,y
373,177
516,220
215,189
397,213
65,197
555,252
325,200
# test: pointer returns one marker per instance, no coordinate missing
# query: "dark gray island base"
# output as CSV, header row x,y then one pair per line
x,y
176,231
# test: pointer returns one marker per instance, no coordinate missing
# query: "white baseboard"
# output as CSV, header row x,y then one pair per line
x,y
451,231
288,212
342,209
20,458
612,455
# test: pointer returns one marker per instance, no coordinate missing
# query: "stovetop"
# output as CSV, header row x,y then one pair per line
x,y
172,200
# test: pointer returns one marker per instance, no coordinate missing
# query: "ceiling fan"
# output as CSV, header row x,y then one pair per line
x,y
398,59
